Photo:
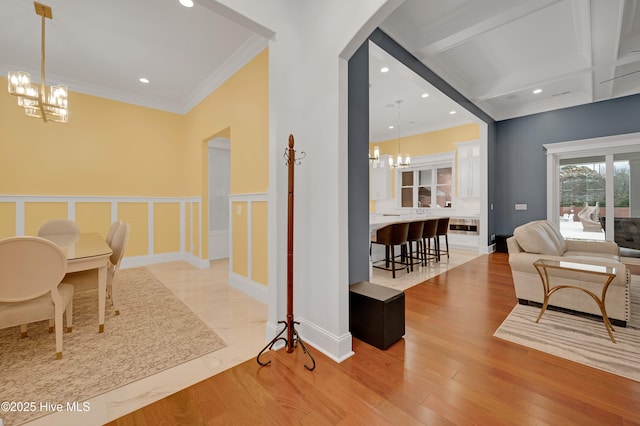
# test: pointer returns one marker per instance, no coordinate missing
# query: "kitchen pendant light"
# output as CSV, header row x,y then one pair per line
x,y
400,161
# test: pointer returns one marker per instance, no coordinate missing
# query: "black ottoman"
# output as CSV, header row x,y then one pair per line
x,y
376,314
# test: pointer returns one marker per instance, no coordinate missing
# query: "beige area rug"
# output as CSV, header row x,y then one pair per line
x,y
154,331
582,340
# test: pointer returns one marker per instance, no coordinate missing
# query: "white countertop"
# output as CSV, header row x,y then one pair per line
x,y
377,221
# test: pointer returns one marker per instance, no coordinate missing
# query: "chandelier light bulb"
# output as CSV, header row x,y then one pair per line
x,y
48,103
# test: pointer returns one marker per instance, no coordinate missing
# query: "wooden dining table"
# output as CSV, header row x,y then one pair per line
x,y
87,251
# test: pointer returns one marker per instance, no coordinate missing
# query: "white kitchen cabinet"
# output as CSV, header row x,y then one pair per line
x,y
468,169
380,180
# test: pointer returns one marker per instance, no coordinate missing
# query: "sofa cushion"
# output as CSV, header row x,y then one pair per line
x,y
540,237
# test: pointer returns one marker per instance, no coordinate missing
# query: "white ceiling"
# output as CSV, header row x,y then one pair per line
x,y
414,113
495,52
102,48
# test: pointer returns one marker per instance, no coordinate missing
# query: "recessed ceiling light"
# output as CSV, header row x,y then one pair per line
x,y
452,112
392,126
384,69
535,92
425,95
186,3
143,80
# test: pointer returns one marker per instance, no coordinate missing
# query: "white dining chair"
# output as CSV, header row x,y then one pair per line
x,y
59,226
118,246
31,271
112,231
88,279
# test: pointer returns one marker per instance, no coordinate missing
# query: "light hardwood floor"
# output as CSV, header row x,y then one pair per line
x,y
447,370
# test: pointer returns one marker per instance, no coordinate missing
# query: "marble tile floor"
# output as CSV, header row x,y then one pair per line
x,y
419,274
237,318
234,316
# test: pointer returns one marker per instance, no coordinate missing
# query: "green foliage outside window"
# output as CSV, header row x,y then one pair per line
x,y
580,184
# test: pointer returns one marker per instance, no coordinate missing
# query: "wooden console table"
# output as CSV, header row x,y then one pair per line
x,y
608,273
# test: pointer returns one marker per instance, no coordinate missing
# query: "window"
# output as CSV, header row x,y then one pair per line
x,y
427,186
590,189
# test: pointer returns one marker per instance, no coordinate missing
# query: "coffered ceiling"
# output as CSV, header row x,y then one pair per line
x,y
495,52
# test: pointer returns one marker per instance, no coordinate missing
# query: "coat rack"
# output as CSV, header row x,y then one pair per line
x,y
293,338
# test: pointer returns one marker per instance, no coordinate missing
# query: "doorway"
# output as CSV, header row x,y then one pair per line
x,y
219,150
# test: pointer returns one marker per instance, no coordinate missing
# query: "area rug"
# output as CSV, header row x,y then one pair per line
x,y
579,339
154,331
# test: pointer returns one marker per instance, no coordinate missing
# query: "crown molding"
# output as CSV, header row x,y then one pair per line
x,y
249,50
240,58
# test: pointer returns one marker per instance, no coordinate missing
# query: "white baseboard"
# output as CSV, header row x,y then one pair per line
x,y
150,259
338,348
249,287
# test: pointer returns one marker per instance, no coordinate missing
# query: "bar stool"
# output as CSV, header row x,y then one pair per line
x,y
428,233
443,229
414,235
391,236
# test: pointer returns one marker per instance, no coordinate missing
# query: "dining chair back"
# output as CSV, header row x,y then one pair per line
x,y
118,246
89,279
112,231
31,271
59,226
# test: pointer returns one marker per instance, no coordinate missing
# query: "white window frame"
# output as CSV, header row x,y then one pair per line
x,y
423,162
607,146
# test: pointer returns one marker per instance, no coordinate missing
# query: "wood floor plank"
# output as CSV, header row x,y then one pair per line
x,y
448,369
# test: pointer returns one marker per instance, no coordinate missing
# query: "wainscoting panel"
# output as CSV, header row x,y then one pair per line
x,y
161,230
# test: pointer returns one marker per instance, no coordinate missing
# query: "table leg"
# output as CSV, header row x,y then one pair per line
x,y
102,296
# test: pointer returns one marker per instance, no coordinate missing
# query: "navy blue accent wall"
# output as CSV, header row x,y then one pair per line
x,y
358,134
520,167
380,38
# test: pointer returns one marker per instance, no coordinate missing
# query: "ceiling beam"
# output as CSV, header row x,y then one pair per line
x,y
465,28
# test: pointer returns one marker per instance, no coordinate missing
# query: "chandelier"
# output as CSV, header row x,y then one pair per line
x,y
48,103
375,159
400,162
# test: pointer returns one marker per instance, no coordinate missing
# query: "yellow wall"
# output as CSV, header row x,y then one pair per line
x,y
195,223
429,143
187,224
113,149
238,110
166,227
36,214
135,214
107,148
240,229
8,220
260,238
94,217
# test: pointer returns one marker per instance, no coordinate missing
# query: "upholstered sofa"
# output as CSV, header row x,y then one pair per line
x,y
542,240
